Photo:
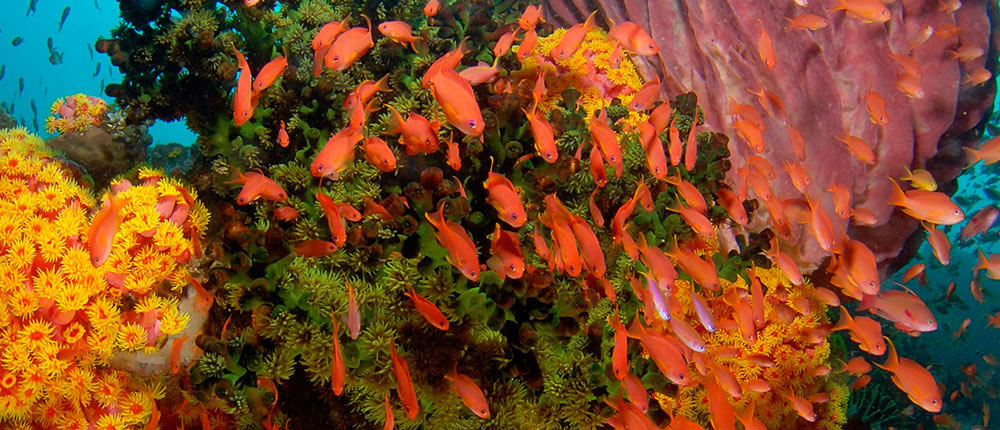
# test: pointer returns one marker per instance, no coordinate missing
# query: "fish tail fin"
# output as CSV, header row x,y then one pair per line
x,y
896,197
909,175
892,360
395,122
845,321
383,84
238,177
981,262
589,25
972,156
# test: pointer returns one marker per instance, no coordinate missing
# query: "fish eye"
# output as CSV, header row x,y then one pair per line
x,y
512,268
513,216
472,123
427,140
336,58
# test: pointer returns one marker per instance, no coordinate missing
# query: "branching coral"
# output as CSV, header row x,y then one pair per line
x,y
66,318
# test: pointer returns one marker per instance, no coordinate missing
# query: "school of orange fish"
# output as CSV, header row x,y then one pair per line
x,y
574,247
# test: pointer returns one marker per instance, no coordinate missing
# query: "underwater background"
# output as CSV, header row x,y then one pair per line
x,y
236,282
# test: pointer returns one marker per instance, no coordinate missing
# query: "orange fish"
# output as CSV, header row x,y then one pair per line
x,y
527,45
857,366
866,332
801,405
798,143
454,159
763,166
862,216
364,92
590,246
378,154
931,206
472,396
721,413
336,155
283,139
978,77
760,184
687,334
315,248
390,420
404,384
757,296
530,18
696,220
909,65
428,309
688,192
939,243
543,134
454,239
646,96
175,353
674,149
353,314
691,149
632,38
504,198
875,105
861,382
243,101
665,354
348,47
841,200
399,32
328,33
504,43
449,60
859,148
965,53
480,74
255,186
807,21
701,271
101,235
595,212
727,199
606,141
861,266
656,159
338,371
910,85
506,258
458,102
597,170
431,8
914,380
418,135
868,11
765,49
637,394
751,133
961,329
333,218
799,176
907,310
619,354
988,152
784,262
269,74
990,265
285,213
920,179
572,39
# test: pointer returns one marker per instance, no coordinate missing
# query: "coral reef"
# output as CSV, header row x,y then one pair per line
x,y
65,318
75,113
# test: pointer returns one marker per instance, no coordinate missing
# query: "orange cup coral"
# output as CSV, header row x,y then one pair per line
x,y
75,113
64,319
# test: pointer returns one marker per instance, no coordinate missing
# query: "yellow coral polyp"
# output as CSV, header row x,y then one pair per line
x,y
63,318
793,357
75,113
589,71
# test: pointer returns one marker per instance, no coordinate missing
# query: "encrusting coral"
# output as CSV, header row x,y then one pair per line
x,y
64,319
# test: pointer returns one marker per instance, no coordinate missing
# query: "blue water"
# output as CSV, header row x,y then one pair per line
x,y
45,82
